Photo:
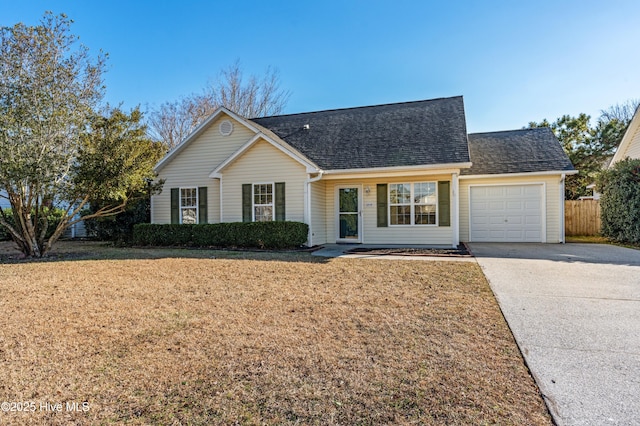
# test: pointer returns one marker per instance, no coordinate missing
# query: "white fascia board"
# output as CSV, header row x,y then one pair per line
x,y
524,174
309,166
395,171
198,131
627,138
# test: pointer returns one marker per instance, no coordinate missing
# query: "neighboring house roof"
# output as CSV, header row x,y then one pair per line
x,y
394,135
630,143
516,151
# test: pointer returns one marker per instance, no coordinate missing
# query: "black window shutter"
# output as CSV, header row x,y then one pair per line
x,y
175,205
444,204
202,204
281,211
382,205
247,205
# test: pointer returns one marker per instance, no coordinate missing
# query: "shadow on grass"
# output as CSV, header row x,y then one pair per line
x,y
73,250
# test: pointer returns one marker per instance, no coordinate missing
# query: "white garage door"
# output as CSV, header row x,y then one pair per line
x,y
506,213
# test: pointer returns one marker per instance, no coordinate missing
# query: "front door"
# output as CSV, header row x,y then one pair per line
x,y
349,214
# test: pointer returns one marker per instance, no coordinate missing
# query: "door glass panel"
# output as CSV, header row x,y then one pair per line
x,y
349,226
348,215
348,200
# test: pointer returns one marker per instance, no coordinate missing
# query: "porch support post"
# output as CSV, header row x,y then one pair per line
x,y
455,211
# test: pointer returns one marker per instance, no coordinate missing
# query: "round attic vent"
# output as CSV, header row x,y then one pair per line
x,y
226,127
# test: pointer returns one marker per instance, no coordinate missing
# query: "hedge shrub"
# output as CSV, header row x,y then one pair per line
x,y
267,235
54,216
118,228
620,201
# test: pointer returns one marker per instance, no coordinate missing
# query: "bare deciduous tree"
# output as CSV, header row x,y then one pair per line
x,y
173,121
258,97
622,112
253,97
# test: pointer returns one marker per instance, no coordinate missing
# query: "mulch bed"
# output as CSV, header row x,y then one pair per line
x,y
461,251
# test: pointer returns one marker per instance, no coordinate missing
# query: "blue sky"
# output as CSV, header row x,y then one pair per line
x,y
513,61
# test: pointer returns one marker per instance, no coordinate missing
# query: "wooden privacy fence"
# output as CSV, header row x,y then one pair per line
x,y
582,217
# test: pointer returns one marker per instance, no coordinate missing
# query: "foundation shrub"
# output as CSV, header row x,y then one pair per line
x,y
620,201
266,235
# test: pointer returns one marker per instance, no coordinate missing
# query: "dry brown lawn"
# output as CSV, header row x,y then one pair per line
x,y
256,338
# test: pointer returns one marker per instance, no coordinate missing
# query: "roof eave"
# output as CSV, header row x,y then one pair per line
x,y
521,174
396,170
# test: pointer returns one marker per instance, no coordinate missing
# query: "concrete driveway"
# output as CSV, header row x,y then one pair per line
x,y
574,310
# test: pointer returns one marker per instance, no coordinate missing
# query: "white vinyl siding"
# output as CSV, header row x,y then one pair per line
x,y
551,196
633,150
192,166
263,163
318,213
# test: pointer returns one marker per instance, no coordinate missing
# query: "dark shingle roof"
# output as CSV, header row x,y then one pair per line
x,y
516,151
403,134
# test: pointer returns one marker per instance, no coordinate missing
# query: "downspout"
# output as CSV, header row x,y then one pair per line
x,y
562,227
307,196
455,220
221,198
151,209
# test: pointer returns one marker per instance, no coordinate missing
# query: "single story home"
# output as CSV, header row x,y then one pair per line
x,y
403,173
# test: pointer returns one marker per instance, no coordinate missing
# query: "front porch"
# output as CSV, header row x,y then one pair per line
x,y
373,211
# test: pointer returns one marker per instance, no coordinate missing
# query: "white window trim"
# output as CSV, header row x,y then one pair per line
x,y
412,205
180,207
273,200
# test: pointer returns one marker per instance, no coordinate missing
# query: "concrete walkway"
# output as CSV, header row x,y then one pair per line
x,y
574,310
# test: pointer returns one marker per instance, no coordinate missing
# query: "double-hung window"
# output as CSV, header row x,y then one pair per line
x,y
400,203
413,203
263,202
188,205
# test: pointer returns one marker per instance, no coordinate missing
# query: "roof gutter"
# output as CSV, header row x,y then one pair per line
x,y
523,174
400,168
